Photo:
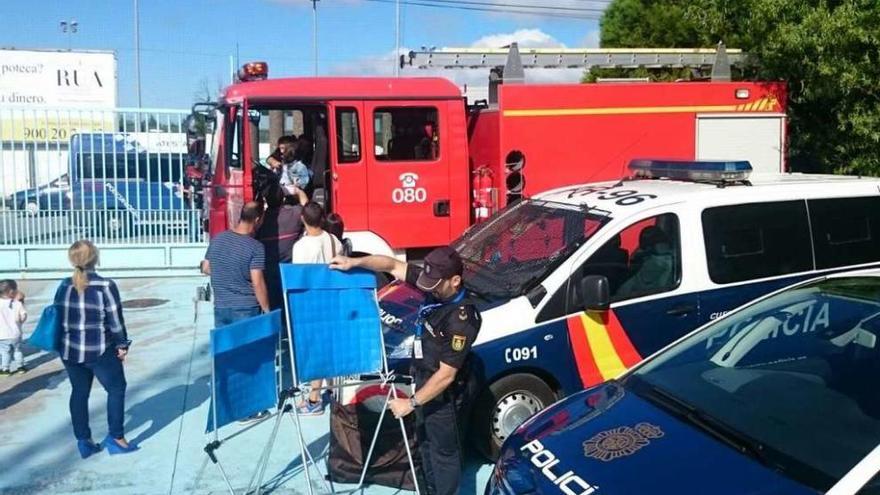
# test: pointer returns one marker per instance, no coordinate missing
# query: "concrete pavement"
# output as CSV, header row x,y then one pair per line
x,y
168,374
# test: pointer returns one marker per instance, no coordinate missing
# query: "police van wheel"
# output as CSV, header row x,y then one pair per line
x,y
112,224
506,405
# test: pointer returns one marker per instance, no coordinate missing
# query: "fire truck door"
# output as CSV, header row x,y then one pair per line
x,y
346,181
234,155
408,172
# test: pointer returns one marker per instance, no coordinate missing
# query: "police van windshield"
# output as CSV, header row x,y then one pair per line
x,y
791,380
507,255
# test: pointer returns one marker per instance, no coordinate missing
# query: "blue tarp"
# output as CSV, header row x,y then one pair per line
x,y
335,321
244,362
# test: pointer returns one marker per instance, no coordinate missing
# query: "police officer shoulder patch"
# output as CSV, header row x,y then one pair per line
x,y
458,342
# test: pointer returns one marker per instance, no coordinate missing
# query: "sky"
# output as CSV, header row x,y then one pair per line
x,y
186,45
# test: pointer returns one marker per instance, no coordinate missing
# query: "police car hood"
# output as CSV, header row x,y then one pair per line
x,y
608,440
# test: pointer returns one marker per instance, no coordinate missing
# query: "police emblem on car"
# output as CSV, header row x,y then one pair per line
x,y
621,442
458,342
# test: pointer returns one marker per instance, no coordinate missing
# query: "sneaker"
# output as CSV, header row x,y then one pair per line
x,y
256,417
309,408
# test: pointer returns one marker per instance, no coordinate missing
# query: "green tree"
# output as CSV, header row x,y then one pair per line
x,y
827,51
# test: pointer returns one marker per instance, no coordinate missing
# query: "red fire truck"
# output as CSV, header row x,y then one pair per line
x,y
409,164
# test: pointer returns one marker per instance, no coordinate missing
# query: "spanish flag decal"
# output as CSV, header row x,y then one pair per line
x,y
601,348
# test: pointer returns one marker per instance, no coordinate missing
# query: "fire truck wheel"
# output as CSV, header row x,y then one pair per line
x,y
504,406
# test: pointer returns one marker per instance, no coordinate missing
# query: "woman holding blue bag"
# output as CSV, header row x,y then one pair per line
x,y
93,344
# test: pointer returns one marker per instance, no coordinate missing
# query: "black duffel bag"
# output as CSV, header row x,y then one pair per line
x,y
351,429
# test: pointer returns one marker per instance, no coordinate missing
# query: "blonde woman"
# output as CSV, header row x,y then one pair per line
x,y
93,345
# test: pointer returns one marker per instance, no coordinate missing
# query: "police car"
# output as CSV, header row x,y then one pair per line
x,y
777,397
677,245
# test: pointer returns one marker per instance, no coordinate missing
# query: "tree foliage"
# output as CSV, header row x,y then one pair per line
x,y
827,51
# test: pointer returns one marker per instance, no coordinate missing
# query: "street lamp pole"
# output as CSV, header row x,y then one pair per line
x,y
315,33
137,52
397,38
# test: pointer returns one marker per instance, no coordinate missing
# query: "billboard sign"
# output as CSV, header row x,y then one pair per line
x,y
58,79
47,96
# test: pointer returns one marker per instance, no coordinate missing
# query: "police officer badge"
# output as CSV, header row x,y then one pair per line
x,y
458,342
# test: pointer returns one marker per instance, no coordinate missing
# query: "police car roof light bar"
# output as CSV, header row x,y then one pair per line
x,y
723,172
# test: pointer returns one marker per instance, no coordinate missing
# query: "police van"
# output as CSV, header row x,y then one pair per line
x,y
778,397
677,244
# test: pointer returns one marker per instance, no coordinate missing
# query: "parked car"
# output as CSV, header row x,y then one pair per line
x,y
54,196
777,397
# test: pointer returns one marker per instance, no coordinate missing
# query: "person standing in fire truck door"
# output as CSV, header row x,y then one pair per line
x,y
287,163
447,326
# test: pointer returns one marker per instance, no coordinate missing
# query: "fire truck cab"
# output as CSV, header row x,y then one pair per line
x,y
409,164
390,155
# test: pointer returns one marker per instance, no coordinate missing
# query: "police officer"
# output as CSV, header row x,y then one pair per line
x,y
447,327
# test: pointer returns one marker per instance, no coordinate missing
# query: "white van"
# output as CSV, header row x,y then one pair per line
x,y
679,244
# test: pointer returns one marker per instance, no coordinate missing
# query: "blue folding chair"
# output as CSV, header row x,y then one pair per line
x,y
243,381
336,332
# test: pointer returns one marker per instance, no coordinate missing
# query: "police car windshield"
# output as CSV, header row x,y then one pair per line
x,y
794,377
511,252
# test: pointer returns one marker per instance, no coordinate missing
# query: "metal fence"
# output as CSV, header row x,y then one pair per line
x,y
118,177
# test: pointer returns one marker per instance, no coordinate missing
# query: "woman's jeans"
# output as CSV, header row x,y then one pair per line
x,y
108,370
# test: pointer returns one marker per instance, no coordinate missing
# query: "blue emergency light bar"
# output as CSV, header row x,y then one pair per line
x,y
703,171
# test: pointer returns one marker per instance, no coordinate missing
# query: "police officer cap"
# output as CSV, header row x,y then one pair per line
x,y
441,263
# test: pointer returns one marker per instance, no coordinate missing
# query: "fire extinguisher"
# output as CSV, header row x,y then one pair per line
x,y
484,193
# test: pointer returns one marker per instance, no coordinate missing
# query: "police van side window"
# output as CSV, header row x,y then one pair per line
x,y
406,134
846,231
753,241
348,136
641,260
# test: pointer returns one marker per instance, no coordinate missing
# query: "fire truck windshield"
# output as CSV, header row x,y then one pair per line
x,y
507,255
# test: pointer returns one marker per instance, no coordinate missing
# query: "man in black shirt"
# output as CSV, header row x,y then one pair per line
x,y
281,227
448,326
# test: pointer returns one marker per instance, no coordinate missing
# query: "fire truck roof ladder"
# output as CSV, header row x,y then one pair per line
x,y
559,58
506,65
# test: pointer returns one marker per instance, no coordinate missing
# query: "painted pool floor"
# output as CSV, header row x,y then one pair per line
x,y
168,373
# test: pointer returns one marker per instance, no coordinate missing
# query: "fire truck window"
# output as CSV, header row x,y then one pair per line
x,y
274,124
642,259
747,242
348,136
406,134
846,231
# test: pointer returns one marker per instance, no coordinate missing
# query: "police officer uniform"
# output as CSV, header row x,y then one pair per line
x,y
447,329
